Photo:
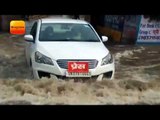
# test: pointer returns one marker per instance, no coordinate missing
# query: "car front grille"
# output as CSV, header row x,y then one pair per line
x,y
63,63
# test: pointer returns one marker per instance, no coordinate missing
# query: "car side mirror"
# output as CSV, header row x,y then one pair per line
x,y
28,38
104,38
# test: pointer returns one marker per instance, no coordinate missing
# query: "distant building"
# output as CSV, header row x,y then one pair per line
x,y
119,28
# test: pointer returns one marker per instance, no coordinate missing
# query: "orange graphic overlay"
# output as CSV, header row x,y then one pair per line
x,y
17,27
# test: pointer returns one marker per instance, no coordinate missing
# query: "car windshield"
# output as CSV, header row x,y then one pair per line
x,y
67,32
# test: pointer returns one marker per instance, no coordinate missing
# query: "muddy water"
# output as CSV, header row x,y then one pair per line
x,y
12,60
136,79
137,62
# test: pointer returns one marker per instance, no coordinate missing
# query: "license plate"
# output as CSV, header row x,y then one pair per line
x,y
78,74
78,69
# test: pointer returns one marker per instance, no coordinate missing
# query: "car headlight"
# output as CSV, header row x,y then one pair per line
x,y
40,58
107,59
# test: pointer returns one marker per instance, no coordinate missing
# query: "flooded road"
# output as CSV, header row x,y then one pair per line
x,y
137,78
137,62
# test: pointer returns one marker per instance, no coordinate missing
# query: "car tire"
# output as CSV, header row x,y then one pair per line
x,y
103,78
54,77
99,78
31,74
31,71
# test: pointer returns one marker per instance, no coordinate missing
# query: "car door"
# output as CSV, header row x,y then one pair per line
x,y
30,45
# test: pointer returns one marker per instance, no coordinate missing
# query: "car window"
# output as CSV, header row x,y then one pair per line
x,y
33,30
67,32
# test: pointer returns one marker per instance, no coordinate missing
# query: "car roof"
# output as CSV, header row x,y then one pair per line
x,y
63,20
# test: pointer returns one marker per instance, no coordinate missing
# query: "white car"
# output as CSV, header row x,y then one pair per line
x,y
65,48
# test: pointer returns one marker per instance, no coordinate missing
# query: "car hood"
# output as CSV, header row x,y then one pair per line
x,y
73,50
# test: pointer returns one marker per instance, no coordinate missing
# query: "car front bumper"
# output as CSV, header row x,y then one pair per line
x,y
57,71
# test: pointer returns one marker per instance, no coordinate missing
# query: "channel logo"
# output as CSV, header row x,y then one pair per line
x,y
17,27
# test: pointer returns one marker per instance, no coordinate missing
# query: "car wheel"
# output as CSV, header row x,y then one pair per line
x,y
31,71
99,78
54,77
103,78
31,74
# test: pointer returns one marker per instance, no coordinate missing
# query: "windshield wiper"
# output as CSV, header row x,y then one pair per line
x,y
53,40
72,40
91,40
